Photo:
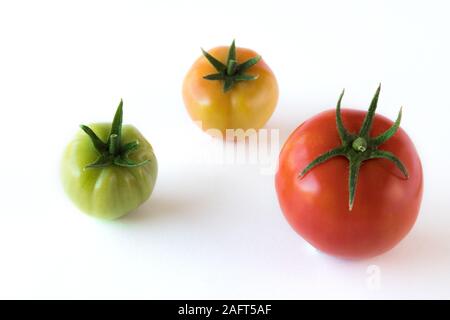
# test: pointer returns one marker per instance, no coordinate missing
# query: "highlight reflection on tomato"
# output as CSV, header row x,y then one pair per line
x,y
350,182
230,88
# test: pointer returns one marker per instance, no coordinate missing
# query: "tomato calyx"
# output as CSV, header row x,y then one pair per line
x,y
231,72
113,152
360,147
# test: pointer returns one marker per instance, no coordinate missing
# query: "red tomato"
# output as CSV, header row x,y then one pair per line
x,y
386,204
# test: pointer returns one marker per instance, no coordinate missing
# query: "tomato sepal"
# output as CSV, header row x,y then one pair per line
x,y
113,152
361,147
231,72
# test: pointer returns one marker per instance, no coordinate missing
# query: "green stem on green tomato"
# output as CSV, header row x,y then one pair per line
x,y
231,72
359,148
113,152
112,148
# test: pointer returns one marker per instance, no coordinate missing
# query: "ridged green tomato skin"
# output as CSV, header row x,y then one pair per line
x,y
113,191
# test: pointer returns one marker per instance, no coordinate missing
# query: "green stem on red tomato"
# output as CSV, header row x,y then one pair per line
x,y
360,147
359,144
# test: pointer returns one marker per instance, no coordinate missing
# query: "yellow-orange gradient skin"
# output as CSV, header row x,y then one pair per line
x,y
248,105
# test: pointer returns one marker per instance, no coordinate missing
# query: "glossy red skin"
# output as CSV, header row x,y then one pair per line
x,y
386,204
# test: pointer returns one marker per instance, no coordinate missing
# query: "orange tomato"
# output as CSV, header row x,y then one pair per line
x,y
248,104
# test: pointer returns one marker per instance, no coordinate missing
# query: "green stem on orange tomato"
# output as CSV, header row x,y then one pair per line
x,y
230,72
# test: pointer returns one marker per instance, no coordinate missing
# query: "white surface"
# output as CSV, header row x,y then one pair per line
x,y
209,230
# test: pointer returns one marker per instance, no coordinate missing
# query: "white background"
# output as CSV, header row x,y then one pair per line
x,y
209,230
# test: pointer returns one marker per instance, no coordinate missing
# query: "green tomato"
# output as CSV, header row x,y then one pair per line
x,y
109,179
